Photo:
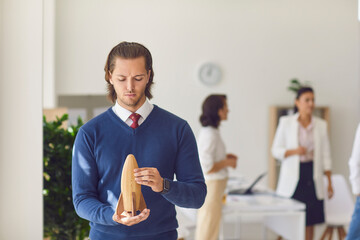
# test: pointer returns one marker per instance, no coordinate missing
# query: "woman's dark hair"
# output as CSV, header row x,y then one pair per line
x,y
210,110
128,50
300,92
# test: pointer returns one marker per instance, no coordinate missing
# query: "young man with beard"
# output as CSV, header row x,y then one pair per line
x,y
162,143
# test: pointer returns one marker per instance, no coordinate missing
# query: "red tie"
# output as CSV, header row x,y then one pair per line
x,y
135,118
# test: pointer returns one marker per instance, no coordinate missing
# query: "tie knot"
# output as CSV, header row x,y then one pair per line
x,y
135,118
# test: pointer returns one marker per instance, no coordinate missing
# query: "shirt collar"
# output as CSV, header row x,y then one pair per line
x,y
124,114
310,126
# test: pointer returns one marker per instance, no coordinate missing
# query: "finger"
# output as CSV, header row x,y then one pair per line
x,y
115,217
142,174
145,183
146,214
118,218
129,221
125,214
145,173
145,178
148,179
143,169
141,217
124,219
136,219
155,186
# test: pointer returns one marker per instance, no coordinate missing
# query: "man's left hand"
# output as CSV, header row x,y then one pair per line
x,y
149,177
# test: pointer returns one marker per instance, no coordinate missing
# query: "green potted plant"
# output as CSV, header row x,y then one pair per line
x,y
60,219
295,85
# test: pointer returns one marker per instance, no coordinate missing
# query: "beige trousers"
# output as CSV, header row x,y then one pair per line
x,y
209,215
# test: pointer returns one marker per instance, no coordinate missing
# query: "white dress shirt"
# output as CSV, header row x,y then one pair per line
x,y
124,114
354,164
211,150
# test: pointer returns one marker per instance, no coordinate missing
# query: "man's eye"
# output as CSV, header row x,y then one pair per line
x,y
121,79
138,79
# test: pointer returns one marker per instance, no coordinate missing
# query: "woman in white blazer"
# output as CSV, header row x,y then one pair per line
x,y
215,163
301,143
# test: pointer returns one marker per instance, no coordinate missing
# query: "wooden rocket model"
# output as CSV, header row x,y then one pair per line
x,y
131,199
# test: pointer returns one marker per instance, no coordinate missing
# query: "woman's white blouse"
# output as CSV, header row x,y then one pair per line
x,y
211,150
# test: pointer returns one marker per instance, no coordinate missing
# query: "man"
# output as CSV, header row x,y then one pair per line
x,y
162,143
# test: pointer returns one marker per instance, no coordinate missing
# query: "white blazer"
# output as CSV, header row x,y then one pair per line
x,y
287,137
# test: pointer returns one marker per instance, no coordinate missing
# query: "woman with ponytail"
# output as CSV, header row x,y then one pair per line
x,y
302,146
215,163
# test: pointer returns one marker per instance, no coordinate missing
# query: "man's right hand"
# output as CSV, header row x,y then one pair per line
x,y
127,220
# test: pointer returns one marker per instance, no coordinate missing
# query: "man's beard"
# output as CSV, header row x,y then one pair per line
x,y
133,103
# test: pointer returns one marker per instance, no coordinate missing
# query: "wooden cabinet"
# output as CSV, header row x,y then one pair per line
x,y
274,114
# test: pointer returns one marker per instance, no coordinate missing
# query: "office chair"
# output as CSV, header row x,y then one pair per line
x,y
339,208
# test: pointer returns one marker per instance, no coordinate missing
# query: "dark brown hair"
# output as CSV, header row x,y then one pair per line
x,y
128,50
210,110
300,92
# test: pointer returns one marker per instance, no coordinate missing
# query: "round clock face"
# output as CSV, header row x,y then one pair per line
x,y
210,73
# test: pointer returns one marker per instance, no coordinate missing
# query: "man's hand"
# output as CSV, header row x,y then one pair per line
x,y
149,177
127,220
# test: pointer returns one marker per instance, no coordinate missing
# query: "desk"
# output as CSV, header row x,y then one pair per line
x,y
284,216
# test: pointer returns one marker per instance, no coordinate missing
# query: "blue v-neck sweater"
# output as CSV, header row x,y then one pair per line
x,y
163,141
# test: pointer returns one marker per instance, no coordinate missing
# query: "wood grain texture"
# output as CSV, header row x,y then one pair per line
x,y
131,198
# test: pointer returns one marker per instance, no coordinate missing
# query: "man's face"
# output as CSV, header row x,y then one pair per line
x,y
129,79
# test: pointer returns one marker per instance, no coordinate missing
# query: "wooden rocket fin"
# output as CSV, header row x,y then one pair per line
x,y
142,205
133,206
120,205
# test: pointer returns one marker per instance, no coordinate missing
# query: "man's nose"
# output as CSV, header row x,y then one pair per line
x,y
130,85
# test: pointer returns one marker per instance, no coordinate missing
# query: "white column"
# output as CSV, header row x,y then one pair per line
x,y
49,86
21,29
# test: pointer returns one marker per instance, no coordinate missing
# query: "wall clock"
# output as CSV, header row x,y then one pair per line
x,y
210,73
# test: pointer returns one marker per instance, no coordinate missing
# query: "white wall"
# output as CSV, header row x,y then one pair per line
x,y
49,96
21,121
259,44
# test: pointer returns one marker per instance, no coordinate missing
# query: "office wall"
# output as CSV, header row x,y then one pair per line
x,y
21,121
49,65
260,45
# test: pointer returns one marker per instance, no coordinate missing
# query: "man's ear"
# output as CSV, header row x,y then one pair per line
x,y
110,79
149,72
